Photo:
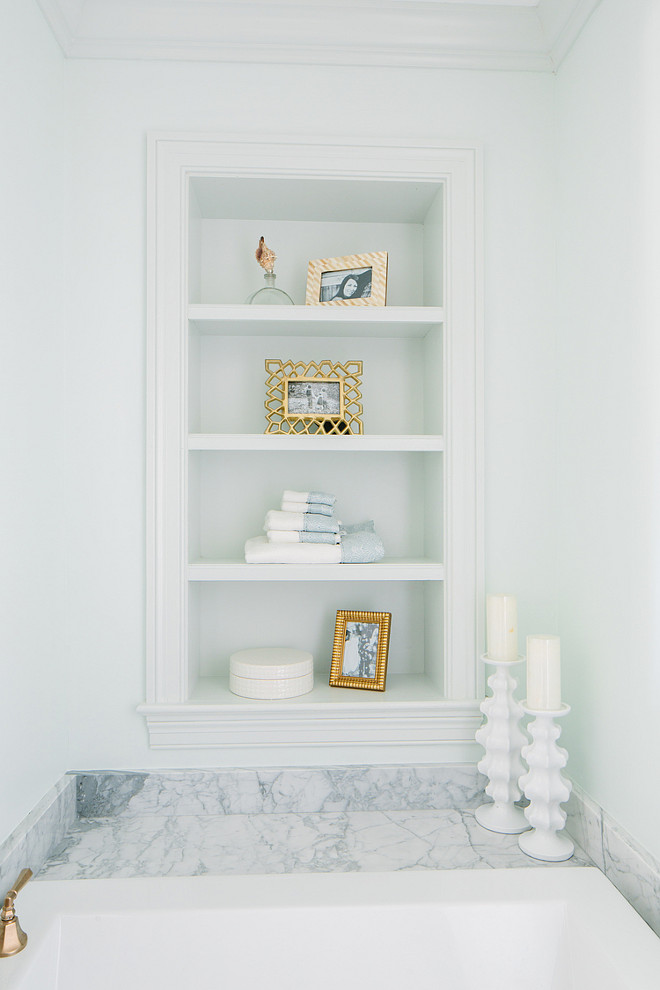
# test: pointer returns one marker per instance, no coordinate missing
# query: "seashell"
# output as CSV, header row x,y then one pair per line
x,y
265,256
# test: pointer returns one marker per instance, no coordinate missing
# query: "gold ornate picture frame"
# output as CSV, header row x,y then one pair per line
x,y
309,397
360,650
353,280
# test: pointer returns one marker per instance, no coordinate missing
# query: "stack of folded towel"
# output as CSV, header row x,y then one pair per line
x,y
304,531
304,517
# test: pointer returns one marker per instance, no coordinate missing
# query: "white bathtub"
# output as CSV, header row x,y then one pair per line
x,y
529,929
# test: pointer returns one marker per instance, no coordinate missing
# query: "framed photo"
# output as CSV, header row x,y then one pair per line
x,y
314,398
359,653
309,397
354,280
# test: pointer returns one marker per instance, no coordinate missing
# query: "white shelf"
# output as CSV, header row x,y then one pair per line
x,y
308,444
335,321
403,569
402,689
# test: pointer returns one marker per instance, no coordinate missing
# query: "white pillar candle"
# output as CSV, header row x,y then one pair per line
x,y
543,673
501,627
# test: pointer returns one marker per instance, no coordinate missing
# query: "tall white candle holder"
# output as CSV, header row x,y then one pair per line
x,y
546,789
503,739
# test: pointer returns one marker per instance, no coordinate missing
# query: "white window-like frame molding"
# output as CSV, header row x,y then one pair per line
x,y
429,731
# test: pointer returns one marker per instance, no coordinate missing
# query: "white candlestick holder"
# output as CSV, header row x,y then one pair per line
x,y
503,739
546,789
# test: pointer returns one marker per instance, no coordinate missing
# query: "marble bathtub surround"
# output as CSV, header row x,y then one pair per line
x,y
310,801
295,790
632,870
584,821
32,842
185,822
358,841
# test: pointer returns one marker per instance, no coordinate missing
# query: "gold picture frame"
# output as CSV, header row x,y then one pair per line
x,y
360,650
309,397
353,280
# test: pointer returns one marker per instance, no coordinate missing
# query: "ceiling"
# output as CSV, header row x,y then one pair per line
x,y
529,35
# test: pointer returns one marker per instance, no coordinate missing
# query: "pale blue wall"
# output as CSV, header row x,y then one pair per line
x,y
76,232
113,105
33,673
608,95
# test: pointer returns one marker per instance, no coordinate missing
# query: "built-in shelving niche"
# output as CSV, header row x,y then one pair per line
x,y
214,473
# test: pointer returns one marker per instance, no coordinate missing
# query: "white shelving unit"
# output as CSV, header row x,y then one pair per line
x,y
214,473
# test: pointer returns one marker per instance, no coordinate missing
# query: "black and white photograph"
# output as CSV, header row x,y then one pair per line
x,y
352,280
352,283
360,650
317,397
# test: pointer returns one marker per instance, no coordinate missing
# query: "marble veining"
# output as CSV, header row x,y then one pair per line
x,y
300,790
103,794
584,822
632,870
189,845
188,822
31,843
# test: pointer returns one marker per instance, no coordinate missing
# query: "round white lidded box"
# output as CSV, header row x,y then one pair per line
x,y
271,673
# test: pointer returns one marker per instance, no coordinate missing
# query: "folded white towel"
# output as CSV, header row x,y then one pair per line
x,y
259,550
325,497
289,536
315,508
299,522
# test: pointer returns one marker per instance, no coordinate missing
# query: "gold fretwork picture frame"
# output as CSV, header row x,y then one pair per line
x,y
354,280
309,397
360,650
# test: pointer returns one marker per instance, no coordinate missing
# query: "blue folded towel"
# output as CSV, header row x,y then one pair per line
x,y
319,524
317,508
364,547
299,522
292,536
324,497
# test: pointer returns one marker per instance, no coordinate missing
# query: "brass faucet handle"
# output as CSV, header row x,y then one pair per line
x,y
23,878
7,913
12,937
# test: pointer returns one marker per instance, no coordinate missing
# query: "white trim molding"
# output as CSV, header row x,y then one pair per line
x,y
431,34
426,733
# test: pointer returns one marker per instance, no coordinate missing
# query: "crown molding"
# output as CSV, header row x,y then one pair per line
x,y
62,17
416,33
562,22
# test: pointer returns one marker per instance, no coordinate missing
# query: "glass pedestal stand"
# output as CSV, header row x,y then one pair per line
x,y
269,294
